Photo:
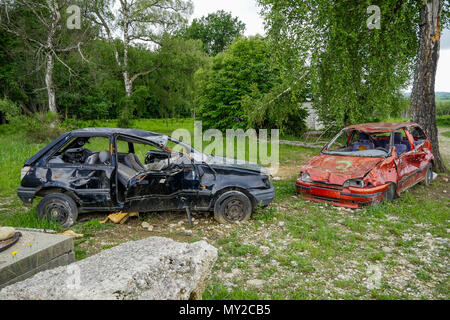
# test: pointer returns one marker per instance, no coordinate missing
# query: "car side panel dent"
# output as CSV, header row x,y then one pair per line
x,y
90,186
384,172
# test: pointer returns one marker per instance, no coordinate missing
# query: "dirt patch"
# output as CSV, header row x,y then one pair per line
x,y
288,170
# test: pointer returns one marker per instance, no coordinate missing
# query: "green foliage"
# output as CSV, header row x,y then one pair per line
x,y
443,121
442,107
230,90
9,108
354,73
39,127
216,31
90,85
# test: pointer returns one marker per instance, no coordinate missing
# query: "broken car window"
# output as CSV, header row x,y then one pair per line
x,y
357,143
82,151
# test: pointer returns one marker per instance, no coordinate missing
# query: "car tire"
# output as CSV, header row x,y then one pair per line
x,y
428,175
58,207
232,206
389,194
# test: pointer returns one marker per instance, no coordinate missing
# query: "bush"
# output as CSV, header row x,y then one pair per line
x,y
443,121
39,127
442,108
9,108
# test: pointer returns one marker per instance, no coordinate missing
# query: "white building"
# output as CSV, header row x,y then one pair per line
x,y
312,121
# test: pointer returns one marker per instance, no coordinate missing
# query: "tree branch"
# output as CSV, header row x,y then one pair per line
x,y
144,73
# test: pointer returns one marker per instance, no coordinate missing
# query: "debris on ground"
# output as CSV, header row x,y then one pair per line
x,y
6,233
119,217
71,233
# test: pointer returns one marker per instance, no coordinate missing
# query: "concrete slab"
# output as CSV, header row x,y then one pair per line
x,y
34,252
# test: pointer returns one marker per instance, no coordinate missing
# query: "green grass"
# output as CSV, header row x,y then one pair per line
x,y
219,292
316,251
318,242
27,219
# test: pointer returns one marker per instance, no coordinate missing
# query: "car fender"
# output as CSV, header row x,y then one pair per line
x,y
384,172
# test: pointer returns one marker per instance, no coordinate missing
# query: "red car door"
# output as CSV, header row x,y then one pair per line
x,y
421,151
406,165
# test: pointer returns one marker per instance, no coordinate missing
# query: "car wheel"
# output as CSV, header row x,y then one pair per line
x,y
389,194
428,175
232,206
58,207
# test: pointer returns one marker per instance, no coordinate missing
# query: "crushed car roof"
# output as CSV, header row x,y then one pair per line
x,y
380,126
143,134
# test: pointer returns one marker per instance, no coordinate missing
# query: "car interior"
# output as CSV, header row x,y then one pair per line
x,y
362,143
129,163
78,152
381,142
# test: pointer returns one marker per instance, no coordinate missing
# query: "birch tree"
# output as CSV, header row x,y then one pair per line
x,y
131,21
45,37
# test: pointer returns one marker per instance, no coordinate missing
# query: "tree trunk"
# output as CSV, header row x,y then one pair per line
x,y
49,82
423,105
126,76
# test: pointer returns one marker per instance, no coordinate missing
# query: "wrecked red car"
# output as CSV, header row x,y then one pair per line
x,y
368,163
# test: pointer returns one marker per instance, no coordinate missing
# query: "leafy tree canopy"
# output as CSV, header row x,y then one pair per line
x,y
229,91
216,31
355,73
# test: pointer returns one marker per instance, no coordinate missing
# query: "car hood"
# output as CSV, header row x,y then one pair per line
x,y
337,169
228,162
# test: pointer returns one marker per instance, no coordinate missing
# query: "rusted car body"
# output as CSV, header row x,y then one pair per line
x,y
73,178
368,163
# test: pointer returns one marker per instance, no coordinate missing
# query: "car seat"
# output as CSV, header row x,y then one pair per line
x,y
363,142
92,159
398,143
125,173
132,161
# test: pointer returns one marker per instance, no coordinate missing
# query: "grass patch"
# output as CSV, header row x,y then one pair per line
x,y
219,292
28,219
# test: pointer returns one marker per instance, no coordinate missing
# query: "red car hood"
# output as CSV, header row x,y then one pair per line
x,y
337,169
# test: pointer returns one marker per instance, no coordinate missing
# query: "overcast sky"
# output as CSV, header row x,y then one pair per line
x,y
248,12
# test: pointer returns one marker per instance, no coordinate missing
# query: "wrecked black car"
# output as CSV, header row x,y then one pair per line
x,y
100,169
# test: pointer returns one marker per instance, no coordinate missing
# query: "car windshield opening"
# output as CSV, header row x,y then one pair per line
x,y
351,142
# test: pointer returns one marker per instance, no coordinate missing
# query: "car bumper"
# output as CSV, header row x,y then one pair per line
x,y
27,194
351,197
263,196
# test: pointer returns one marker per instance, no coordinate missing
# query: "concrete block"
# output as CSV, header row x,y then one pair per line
x,y
34,252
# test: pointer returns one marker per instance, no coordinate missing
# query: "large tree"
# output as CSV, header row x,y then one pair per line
x,y
355,72
41,26
216,31
423,105
144,21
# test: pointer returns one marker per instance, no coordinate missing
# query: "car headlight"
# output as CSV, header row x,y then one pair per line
x,y
24,172
354,183
305,177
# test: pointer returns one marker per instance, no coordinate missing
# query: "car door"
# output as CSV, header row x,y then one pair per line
x,y
421,157
406,166
153,188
